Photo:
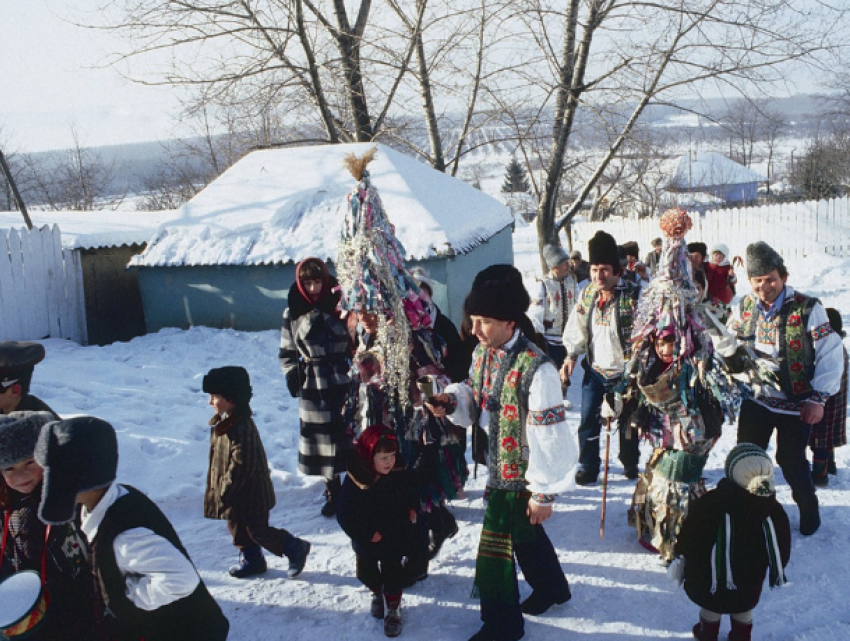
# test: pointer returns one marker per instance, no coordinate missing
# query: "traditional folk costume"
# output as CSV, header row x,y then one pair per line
x,y
133,545
515,395
679,406
601,330
553,303
59,553
793,334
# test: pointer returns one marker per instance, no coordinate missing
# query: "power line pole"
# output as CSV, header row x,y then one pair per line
x,y
7,174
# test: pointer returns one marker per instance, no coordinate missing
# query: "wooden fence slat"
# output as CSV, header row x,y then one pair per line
x,y
41,291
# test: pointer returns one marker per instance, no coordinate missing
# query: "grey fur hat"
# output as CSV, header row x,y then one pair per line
x,y
762,259
554,256
18,435
78,454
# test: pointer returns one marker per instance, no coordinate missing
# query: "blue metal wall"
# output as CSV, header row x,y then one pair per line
x,y
252,298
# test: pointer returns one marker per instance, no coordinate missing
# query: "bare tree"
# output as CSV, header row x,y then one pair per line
x,y
78,178
750,123
630,55
351,68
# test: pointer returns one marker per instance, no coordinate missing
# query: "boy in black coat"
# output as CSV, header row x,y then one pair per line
x,y
732,536
378,510
147,587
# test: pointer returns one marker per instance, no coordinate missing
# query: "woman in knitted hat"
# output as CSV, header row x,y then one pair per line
x,y
315,353
61,561
733,535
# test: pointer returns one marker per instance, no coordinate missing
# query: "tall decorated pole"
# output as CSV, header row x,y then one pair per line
x,y
373,277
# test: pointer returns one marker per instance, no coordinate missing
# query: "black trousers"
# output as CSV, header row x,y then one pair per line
x,y
540,566
257,531
756,424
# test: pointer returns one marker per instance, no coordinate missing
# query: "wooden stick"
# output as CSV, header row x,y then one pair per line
x,y
605,475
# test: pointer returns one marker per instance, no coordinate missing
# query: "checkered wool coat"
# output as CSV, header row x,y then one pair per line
x,y
831,432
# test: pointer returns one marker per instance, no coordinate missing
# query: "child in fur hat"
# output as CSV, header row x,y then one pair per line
x,y
146,585
378,510
733,535
59,554
239,486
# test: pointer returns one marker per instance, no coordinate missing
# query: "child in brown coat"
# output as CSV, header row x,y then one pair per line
x,y
239,486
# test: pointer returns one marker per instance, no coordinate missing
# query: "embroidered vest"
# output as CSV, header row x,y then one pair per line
x,y
626,297
560,300
508,406
796,358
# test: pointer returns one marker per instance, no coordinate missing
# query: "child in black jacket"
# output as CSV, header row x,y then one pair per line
x,y
378,510
732,536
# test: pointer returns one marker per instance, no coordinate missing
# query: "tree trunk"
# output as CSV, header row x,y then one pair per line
x,y
7,174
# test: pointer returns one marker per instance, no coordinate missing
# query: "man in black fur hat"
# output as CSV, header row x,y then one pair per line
x,y
792,332
17,362
515,395
600,328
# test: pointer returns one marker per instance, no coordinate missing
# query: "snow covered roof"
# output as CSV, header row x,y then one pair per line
x,y
710,169
94,229
281,205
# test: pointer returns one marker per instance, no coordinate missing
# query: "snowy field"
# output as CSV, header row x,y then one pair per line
x,y
150,390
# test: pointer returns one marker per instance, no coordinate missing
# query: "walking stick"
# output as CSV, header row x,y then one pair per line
x,y
605,475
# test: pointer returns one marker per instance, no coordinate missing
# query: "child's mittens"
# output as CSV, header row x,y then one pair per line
x,y
676,571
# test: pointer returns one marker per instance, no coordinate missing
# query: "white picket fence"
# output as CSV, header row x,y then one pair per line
x,y
795,230
41,287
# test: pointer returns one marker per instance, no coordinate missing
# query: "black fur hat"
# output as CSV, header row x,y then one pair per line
x,y
17,360
602,250
231,382
18,435
78,454
498,292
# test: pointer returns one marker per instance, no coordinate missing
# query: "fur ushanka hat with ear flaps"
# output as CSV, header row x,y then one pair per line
x,y
231,382
19,434
78,454
762,259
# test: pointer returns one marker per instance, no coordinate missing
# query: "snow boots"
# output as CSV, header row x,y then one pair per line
x,y
705,631
740,631
392,617
809,517
820,473
252,563
376,608
297,552
332,488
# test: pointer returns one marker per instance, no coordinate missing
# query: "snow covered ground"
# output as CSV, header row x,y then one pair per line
x,y
150,390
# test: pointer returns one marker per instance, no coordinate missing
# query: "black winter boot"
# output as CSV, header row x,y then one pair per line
x,y
740,631
376,609
705,631
297,552
331,493
809,517
392,617
252,563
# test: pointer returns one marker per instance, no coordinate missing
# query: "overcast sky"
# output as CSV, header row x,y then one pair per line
x,y
54,79
51,82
